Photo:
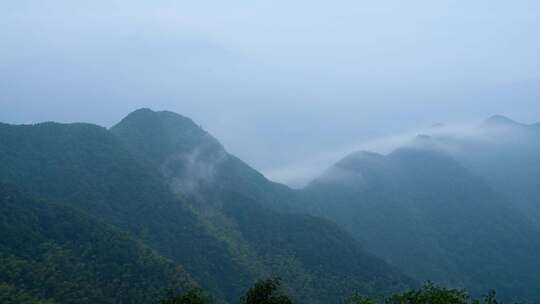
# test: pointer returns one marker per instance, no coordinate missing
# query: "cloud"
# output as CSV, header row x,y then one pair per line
x,y
298,174
326,75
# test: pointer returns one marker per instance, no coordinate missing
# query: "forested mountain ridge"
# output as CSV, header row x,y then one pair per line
x,y
192,160
236,202
505,154
429,215
208,232
190,213
59,255
86,167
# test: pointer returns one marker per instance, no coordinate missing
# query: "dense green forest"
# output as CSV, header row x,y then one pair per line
x,y
91,215
270,291
58,255
208,232
236,202
85,167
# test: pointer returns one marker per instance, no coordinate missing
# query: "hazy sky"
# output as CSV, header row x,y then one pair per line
x,y
278,82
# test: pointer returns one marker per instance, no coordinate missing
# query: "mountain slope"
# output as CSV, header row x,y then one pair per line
x,y
319,261
97,173
86,167
52,252
506,154
428,215
193,160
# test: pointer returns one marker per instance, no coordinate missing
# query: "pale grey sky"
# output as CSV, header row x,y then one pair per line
x,y
278,82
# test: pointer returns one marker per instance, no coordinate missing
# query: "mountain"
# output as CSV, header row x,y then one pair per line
x,y
506,154
115,216
54,254
424,212
87,168
192,160
501,121
316,259
160,180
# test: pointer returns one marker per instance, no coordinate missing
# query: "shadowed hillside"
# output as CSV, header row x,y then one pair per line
x,y
54,253
188,210
236,203
427,214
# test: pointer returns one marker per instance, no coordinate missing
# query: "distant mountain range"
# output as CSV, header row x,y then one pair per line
x,y
505,154
454,208
156,202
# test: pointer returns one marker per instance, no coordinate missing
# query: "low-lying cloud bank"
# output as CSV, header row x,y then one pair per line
x,y
299,174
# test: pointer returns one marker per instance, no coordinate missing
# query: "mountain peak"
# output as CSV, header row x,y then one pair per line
x,y
362,154
146,114
149,121
500,120
421,141
160,134
358,158
142,111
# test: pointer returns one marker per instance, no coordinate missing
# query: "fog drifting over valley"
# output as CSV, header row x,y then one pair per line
x,y
288,87
298,174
